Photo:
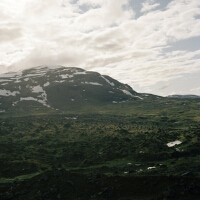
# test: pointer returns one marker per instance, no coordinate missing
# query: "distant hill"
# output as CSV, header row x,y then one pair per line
x,y
189,96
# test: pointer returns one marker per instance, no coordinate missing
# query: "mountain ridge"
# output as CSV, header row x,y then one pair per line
x,y
187,96
61,88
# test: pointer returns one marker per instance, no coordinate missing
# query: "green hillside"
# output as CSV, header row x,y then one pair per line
x,y
117,144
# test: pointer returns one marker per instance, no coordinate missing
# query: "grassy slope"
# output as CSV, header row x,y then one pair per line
x,y
115,141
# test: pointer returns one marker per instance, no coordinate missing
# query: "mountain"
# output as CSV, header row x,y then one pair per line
x,y
188,96
60,88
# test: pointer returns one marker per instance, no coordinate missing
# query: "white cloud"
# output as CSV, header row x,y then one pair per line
x,y
109,13
195,89
149,5
166,85
100,35
9,34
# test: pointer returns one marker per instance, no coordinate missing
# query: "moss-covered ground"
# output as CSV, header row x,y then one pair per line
x,y
116,151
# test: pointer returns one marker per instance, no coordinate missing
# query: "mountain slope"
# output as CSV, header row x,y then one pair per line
x,y
60,88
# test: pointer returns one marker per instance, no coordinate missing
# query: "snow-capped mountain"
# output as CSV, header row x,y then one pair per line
x,y
60,88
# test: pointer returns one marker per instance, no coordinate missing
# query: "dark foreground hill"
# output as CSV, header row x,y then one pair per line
x,y
142,156
63,184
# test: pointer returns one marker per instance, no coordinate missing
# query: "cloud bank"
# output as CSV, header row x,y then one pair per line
x,y
101,35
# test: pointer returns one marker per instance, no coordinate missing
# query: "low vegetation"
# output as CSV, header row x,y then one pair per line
x,y
116,151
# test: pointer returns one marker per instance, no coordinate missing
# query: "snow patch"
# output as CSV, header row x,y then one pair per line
x,y
8,93
171,144
71,117
27,99
26,79
42,101
59,81
128,93
79,73
4,80
151,168
46,84
14,103
17,81
42,97
111,83
139,97
66,76
37,89
93,83
1,111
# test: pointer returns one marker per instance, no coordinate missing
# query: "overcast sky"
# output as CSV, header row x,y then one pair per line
x,y
152,45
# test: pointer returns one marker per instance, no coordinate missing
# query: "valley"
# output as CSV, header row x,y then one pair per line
x,y
114,145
